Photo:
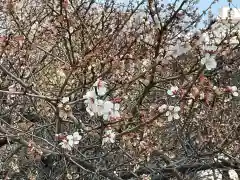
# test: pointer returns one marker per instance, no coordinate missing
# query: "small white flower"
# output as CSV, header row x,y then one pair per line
x,y
215,87
233,175
190,101
71,29
76,138
109,136
209,61
70,140
172,112
162,108
65,100
65,145
233,90
172,91
100,87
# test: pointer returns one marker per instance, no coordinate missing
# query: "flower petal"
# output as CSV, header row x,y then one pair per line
x,y
108,105
70,142
76,142
235,93
176,116
76,136
162,108
211,64
65,100
112,140
89,111
170,117
203,61
69,137
116,106
234,88
169,92
233,174
171,108
105,116
102,91
174,88
177,108
167,113
116,114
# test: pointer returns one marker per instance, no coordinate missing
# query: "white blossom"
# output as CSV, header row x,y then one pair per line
x,y
74,139
233,90
172,112
65,144
162,108
70,141
233,174
172,91
209,61
65,100
95,105
109,136
190,101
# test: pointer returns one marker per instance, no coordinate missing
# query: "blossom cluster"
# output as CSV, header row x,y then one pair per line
x,y
96,105
171,111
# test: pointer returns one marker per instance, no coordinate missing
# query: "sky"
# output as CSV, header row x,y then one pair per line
x,y
204,4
